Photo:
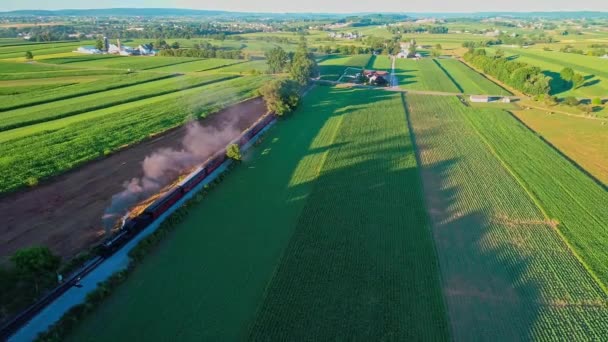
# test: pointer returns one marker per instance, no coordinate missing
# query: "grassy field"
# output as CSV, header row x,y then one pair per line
x,y
333,67
507,273
467,80
581,139
424,75
310,261
38,151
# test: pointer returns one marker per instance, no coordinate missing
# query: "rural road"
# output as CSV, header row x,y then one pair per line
x,y
411,91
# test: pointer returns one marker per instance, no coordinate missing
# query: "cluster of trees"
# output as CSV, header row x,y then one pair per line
x,y
521,76
345,49
509,40
480,43
203,50
300,64
283,95
573,79
40,33
418,29
33,271
389,46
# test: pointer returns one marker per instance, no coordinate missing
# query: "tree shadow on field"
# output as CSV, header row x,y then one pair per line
x,y
487,288
360,263
404,78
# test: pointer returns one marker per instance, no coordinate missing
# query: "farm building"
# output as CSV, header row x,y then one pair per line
x,y
479,98
376,77
91,50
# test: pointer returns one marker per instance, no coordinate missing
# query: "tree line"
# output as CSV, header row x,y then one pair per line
x,y
521,76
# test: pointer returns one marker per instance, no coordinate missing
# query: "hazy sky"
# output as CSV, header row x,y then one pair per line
x,y
323,5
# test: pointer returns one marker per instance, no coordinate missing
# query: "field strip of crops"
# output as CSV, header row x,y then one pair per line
x,y
8,92
37,49
61,73
568,196
88,103
582,140
467,79
50,148
507,273
13,67
46,95
361,262
133,63
198,65
240,68
421,75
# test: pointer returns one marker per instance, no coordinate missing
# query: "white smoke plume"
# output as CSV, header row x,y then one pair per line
x,y
164,166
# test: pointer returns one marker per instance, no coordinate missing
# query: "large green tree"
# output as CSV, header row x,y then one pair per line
x,y
277,60
36,265
566,74
99,45
281,95
303,65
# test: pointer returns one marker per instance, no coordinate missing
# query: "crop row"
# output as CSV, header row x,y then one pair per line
x,y
507,273
55,148
60,73
361,261
133,63
568,195
83,104
48,95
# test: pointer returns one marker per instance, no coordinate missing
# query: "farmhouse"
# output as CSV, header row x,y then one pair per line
x,y
376,77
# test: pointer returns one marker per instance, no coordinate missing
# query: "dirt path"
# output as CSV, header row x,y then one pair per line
x,y
65,215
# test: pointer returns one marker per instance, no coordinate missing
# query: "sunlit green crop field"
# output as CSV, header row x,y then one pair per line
x,y
346,254
42,150
508,273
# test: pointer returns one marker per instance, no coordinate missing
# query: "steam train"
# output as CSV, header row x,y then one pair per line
x,y
132,226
